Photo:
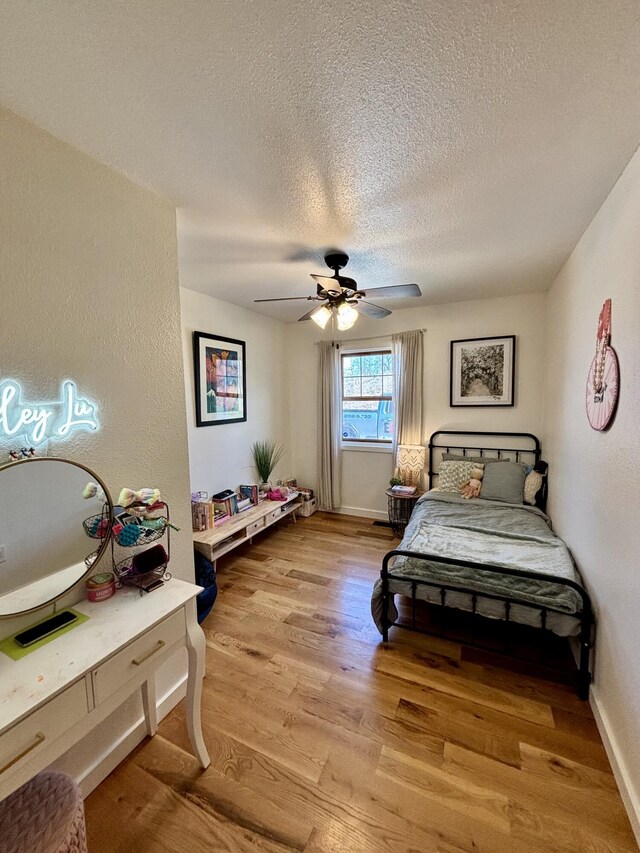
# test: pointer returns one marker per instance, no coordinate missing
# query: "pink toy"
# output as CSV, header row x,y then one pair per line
x,y
471,489
276,495
155,510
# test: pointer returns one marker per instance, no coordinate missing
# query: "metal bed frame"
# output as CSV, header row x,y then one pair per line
x,y
585,615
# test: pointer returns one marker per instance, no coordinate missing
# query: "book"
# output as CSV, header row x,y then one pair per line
x,y
404,490
221,496
249,491
201,515
228,505
219,514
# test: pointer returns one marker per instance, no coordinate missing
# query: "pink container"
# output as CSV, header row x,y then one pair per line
x,y
100,587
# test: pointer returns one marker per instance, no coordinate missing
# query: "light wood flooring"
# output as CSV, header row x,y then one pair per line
x,y
323,740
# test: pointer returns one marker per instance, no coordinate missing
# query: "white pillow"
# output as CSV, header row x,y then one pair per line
x,y
532,483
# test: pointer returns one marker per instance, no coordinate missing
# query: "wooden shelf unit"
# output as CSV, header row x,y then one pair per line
x,y
241,528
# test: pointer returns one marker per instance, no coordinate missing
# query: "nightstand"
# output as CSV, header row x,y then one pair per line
x,y
400,509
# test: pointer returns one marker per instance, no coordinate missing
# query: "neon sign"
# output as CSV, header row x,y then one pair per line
x,y
38,422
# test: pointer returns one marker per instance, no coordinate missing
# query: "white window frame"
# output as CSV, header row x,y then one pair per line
x,y
364,446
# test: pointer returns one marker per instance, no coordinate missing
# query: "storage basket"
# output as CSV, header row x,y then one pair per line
x,y
307,508
97,526
127,575
134,535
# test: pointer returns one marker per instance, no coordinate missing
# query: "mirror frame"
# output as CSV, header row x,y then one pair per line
x,y
104,543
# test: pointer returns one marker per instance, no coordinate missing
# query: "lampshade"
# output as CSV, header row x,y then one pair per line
x,y
411,460
321,316
347,315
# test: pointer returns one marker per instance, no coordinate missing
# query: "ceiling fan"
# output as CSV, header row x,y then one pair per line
x,y
341,297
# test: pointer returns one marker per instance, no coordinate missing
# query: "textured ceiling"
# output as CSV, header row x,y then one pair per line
x,y
463,145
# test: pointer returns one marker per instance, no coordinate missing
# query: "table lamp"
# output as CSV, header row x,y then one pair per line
x,y
410,460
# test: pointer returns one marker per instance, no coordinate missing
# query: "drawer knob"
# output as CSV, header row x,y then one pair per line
x,y
38,740
159,645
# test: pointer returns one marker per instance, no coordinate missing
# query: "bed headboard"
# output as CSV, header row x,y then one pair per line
x,y
517,446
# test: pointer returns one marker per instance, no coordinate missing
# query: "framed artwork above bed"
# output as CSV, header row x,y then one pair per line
x,y
482,371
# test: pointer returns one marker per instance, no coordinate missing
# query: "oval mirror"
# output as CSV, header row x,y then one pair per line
x,y
46,545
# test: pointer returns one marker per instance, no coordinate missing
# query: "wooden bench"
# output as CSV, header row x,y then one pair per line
x,y
243,527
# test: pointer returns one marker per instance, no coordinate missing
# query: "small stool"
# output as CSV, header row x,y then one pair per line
x,y
45,815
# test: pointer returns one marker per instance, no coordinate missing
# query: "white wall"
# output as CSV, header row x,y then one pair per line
x,y
220,455
593,476
365,475
90,292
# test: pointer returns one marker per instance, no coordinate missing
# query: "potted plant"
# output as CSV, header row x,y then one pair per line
x,y
266,455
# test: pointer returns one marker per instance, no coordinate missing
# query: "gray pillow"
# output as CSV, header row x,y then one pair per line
x,y
504,482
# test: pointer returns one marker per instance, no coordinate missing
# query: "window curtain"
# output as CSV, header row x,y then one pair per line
x,y
408,371
329,426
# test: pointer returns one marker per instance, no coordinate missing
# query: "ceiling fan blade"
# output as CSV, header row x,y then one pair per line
x,y
284,299
325,280
307,316
371,310
344,281
328,283
395,290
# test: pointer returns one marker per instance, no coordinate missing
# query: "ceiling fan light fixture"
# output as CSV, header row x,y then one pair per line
x,y
321,316
342,297
347,316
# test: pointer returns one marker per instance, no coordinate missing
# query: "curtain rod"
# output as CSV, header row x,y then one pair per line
x,y
370,338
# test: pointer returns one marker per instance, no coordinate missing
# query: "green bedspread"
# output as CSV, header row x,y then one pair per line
x,y
492,532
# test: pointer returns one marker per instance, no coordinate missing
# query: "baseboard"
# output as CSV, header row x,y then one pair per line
x,y
618,764
361,512
106,763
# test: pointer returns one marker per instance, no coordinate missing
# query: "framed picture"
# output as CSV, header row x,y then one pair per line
x,y
483,371
220,379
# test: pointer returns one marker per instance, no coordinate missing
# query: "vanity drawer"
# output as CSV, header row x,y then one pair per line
x,y
138,656
41,728
255,526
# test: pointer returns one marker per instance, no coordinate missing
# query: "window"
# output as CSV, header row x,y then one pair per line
x,y
367,396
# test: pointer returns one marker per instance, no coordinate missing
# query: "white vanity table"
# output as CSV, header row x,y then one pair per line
x,y
54,696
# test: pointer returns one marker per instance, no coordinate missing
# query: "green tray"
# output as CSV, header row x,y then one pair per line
x,y
10,648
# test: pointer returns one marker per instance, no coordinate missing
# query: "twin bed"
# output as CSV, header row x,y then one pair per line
x,y
495,559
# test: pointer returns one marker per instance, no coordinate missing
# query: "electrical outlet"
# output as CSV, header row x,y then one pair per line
x,y
2,554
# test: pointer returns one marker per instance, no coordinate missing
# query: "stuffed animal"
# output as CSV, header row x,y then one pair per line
x,y
533,481
471,489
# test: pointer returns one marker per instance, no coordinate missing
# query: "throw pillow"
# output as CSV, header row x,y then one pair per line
x,y
504,482
453,474
456,457
532,484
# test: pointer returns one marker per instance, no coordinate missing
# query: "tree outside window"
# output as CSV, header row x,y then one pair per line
x,y
367,396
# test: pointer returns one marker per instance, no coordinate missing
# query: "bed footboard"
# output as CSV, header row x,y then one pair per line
x,y
584,615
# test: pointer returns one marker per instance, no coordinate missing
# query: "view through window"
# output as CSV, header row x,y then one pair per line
x,y
367,396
